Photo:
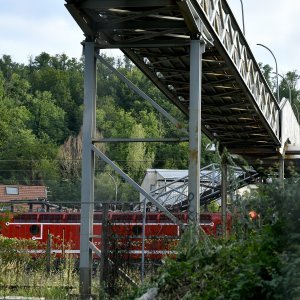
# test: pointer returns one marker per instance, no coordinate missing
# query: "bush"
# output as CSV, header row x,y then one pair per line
x,y
25,275
259,261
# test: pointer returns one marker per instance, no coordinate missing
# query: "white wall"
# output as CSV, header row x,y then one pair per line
x,y
290,126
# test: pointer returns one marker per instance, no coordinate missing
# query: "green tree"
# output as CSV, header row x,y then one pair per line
x,y
17,89
138,159
259,261
7,66
24,157
69,155
42,60
64,80
48,119
27,159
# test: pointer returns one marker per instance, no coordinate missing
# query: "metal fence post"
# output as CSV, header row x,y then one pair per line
x,y
197,47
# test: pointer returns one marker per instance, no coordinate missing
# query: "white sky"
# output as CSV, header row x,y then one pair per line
x,y
275,24
28,27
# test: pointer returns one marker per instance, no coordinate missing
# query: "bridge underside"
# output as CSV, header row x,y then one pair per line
x,y
218,87
156,36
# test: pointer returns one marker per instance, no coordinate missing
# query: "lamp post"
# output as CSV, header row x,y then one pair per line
x,y
116,187
243,17
278,99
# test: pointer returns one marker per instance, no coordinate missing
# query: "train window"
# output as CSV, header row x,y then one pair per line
x,y
72,218
138,217
137,230
151,217
26,218
205,219
51,218
122,217
181,216
34,229
164,219
98,218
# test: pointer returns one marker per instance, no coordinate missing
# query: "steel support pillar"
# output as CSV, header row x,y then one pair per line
x,y
197,48
281,168
104,263
224,198
88,162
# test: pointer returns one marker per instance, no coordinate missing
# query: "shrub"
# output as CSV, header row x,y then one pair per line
x,y
259,261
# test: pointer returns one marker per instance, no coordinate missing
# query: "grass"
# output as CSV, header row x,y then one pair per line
x,y
23,275
30,278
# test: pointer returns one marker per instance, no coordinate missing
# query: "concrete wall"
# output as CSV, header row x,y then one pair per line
x,y
290,126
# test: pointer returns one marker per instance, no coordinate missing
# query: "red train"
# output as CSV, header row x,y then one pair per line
x,y
125,231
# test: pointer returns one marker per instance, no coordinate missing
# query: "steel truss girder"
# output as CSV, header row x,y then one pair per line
x,y
155,79
211,17
88,165
173,194
241,105
134,25
230,41
96,4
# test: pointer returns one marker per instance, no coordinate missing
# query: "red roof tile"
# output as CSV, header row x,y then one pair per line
x,y
26,192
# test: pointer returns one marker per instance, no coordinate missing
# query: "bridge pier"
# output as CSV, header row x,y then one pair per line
x,y
88,165
281,168
89,152
232,97
197,48
224,184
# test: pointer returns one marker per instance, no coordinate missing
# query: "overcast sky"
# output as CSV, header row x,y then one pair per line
x,y
28,27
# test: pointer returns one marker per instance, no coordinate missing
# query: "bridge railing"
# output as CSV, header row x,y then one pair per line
x,y
174,194
231,43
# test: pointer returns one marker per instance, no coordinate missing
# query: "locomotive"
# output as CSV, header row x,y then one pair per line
x,y
125,231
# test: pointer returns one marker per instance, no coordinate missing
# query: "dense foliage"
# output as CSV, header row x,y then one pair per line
x,y
259,261
23,275
41,106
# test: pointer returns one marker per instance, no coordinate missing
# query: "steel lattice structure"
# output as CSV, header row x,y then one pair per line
x,y
156,35
174,194
196,54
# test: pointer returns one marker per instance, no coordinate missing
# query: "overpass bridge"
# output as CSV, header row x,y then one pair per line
x,y
196,54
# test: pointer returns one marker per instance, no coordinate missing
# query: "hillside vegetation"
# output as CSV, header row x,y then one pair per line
x,y
41,105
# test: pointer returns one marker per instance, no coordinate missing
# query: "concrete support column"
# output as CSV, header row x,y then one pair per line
x,y
224,184
281,168
87,179
197,48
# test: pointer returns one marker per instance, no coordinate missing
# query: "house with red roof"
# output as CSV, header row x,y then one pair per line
x,y
22,194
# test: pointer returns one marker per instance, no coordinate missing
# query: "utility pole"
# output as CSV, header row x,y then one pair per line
x,y
104,263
